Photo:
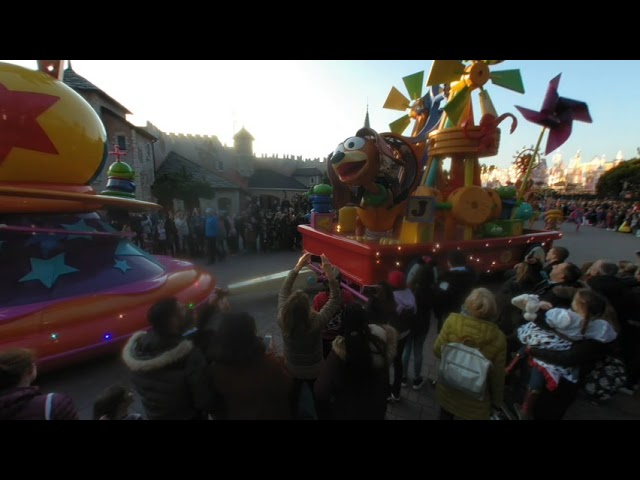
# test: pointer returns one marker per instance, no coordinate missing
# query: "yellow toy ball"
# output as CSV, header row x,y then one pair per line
x,y
49,133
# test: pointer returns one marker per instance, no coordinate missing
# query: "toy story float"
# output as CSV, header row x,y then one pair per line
x,y
394,201
71,286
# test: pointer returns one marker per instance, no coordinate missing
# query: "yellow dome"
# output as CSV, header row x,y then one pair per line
x,y
50,133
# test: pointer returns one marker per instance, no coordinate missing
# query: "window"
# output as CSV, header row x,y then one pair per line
x,y
149,152
220,165
121,140
140,158
312,180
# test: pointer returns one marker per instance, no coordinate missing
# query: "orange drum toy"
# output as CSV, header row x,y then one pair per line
x,y
71,286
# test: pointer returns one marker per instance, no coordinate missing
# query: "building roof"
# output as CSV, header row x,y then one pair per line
x,y
175,164
269,180
243,134
140,130
78,82
306,172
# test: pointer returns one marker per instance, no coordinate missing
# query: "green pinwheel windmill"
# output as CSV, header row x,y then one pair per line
x,y
397,101
470,75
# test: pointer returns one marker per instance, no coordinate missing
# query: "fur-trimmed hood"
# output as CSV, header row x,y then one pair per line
x,y
143,354
385,333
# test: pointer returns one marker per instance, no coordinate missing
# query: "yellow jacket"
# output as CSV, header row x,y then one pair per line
x,y
486,337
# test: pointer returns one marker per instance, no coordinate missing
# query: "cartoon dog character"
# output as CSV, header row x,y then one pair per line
x,y
380,172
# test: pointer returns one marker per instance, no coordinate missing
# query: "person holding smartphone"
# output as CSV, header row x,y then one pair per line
x,y
302,326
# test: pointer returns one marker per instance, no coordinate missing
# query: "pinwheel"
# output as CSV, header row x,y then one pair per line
x,y
557,114
425,110
469,78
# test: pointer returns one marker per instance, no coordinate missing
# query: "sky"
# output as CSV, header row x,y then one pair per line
x,y
308,107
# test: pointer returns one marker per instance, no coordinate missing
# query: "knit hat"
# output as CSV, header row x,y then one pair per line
x,y
397,280
536,255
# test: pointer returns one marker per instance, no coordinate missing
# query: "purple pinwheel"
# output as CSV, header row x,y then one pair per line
x,y
557,114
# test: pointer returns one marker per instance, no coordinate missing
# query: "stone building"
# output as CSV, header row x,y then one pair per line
x,y
135,141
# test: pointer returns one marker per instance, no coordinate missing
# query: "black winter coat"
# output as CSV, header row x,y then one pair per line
x,y
170,377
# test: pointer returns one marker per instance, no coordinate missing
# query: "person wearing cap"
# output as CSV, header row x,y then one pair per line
x,y
406,310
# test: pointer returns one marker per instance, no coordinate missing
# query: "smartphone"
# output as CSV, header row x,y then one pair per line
x,y
268,342
316,259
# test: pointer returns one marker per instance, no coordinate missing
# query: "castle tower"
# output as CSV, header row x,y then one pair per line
x,y
243,142
244,158
366,119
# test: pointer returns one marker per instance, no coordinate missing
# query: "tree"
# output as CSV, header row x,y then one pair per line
x,y
180,186
625,176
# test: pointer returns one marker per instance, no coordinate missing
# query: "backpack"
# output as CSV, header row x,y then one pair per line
x,y
465,369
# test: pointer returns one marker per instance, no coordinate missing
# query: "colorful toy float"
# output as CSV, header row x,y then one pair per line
x,y
394,200
71,286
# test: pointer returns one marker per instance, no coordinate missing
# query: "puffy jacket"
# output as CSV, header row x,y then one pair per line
x,y
486,337
28,403
169,375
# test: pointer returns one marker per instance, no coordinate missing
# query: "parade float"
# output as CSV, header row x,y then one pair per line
x,y
71,285
395,201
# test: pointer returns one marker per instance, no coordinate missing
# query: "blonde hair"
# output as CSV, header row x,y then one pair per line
x,y
481,304
296,313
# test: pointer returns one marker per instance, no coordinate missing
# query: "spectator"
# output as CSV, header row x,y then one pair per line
x,y
167,371
212,230
252,381
381,306
453,287
562,284
555,256
474,327
407,311
302,327
19,400
422,284
353,382
334,327
113,404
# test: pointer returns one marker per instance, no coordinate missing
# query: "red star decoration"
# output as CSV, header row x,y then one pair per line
x,y
19,127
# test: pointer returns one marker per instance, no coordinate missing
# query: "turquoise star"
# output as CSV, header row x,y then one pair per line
x,y
126,248
107,227
79,226
47,271
122,265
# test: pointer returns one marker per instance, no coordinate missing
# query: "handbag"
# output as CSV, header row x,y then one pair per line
x,y
465,369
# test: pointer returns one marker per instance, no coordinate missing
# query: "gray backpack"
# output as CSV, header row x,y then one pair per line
x,y
465,369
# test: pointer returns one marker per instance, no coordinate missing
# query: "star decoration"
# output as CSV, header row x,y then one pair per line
x,y
79,226
107,226
47,271
48,243
19,112
126,248
557,114
122,265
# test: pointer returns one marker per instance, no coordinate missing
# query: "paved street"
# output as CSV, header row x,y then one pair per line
x,y
84,382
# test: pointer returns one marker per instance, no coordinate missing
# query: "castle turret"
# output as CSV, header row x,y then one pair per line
x,y
366,119
243,142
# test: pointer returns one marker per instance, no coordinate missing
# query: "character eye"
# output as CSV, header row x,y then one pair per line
x,y
354,143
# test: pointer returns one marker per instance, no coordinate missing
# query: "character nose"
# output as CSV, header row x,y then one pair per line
x,y
337,157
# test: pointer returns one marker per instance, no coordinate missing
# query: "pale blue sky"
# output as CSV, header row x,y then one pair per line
x,y
308,107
